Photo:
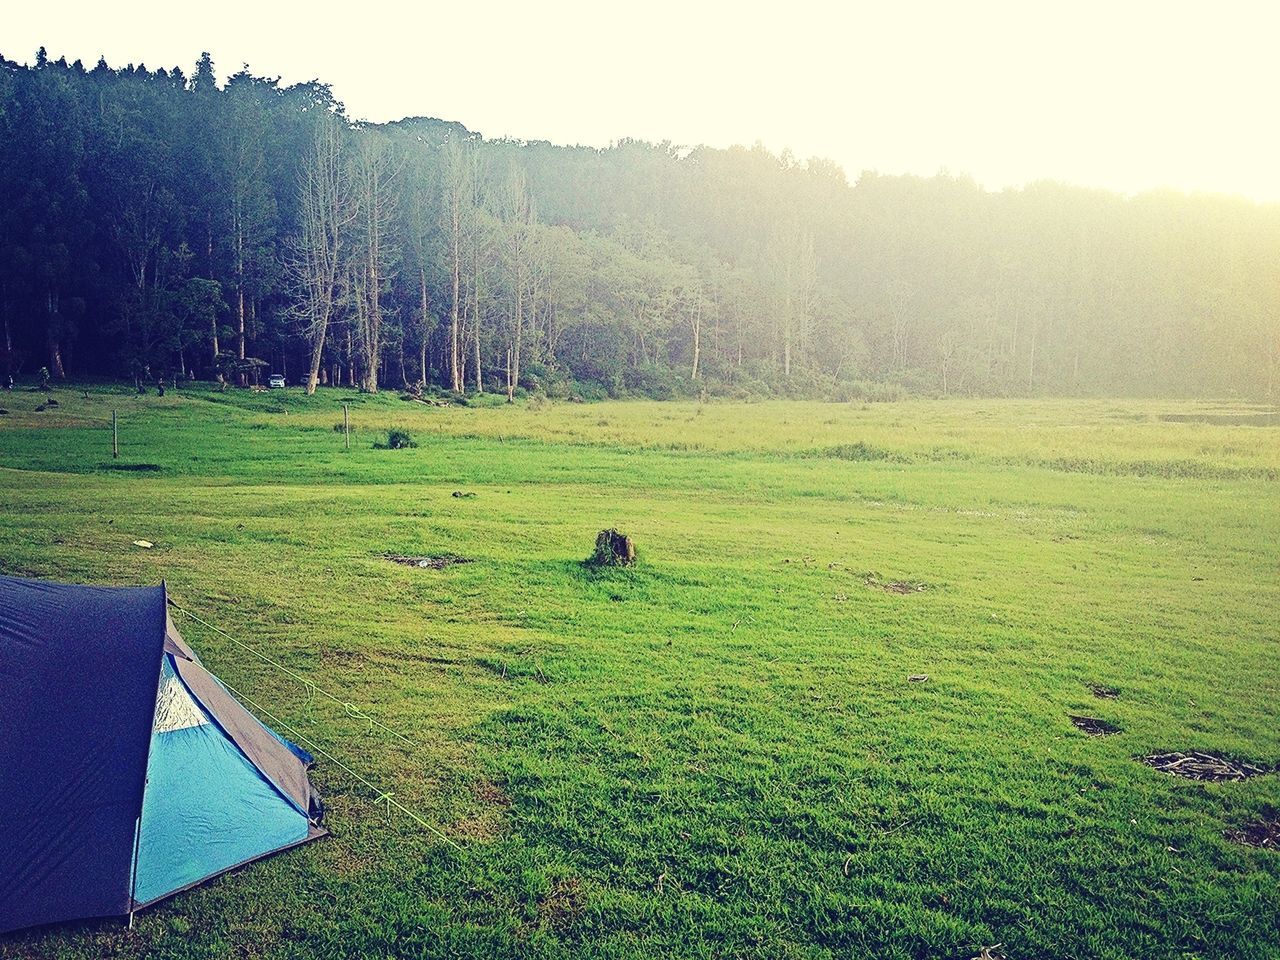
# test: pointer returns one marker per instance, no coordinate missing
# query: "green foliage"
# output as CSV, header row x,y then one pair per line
x,y
860,452
398,439
152,221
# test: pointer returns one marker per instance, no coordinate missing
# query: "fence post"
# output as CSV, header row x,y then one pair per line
x,y
115,437
346,425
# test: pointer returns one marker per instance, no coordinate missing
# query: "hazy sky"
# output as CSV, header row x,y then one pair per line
x,y
1128,95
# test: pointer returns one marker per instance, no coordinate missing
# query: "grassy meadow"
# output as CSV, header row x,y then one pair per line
x,y
717,753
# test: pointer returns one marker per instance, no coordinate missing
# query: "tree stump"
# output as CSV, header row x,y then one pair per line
x,y
613,549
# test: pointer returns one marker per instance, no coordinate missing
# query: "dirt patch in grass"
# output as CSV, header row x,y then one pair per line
x,y
561,906
438,562
1103,692
1264,834
1093,726
873,579
488,792
1196,765
330,656
488,822
483,828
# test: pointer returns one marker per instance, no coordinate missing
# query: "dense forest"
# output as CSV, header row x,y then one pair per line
x,y
156,224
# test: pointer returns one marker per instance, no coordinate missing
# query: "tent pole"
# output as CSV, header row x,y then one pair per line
x,y
137,843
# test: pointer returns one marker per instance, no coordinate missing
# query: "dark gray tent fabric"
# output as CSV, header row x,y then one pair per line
x,y
79,668
173,642
80,673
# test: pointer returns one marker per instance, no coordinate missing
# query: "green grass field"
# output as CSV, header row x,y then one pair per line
x,y
717,753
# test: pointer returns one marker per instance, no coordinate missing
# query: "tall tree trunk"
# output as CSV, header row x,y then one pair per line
x,y
317,354
8,347
240,295
213,358
240,349
1031,368
55,359
52,338
475,295
325,213
462,355
455,350
375,306
696,322
426,306
513,351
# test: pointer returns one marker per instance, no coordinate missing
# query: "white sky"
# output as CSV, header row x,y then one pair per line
x,y
1127,94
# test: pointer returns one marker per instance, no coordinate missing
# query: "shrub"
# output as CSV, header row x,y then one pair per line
x,y
861,451
590,390
656,382
399,440
559,388
870,391
856,451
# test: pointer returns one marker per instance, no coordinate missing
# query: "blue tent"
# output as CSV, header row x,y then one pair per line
x,y
127,771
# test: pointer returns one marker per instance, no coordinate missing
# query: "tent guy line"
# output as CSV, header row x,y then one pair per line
x,y
383,796
311,685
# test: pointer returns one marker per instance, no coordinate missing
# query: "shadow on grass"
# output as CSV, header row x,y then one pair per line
x,y
132,467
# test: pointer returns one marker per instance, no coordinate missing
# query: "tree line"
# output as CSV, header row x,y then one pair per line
x,y
156,224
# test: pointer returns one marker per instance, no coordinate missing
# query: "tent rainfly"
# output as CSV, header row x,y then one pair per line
x,y
128,773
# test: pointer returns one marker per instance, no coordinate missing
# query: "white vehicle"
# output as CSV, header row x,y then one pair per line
x,y
275,381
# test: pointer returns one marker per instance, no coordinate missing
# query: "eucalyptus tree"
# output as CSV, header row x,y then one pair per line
x,y
514,210
326,210
791,268
44,214
373,252
252,211
457,216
